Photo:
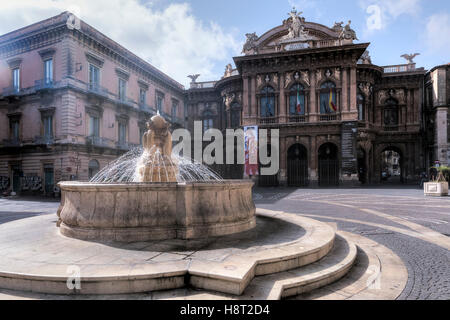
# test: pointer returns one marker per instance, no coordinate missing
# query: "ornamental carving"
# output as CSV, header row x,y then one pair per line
x,y
305,77
337,73
318,75
287,79
348,33
275,79
250,44
228,99
382,95
365,88
258,81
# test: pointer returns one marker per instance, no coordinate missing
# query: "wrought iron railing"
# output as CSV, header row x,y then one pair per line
x,y
44,140
146,108
297,119
46,83
268,120
97,89
329,117
97,141
10,91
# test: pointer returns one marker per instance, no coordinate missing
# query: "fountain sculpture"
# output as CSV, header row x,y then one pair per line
x,y
151,194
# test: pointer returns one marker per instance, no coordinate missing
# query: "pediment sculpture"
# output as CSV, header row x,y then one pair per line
x,y
296,27
250,44
348,33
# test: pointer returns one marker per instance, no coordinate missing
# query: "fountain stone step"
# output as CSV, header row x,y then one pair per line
x,y
35,257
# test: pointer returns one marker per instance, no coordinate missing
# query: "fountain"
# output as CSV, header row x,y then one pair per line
x,y
150,194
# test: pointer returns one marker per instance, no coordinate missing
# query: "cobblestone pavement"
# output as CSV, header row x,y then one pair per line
x,y
415,227
400,219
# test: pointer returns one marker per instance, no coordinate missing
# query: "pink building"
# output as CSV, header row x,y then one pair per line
x,y
71,101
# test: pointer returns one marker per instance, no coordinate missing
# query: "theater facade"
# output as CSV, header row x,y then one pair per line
x,y
342,120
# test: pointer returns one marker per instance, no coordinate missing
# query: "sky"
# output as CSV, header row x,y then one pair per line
x,y
182,37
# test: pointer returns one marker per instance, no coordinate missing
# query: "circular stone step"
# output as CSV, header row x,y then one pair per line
x,y
34,257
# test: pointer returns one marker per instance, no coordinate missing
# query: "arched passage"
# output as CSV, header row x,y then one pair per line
x,y
362,165
328,165
297,166
391,165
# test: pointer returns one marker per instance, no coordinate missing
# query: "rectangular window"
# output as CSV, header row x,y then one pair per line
x,y
174,109
122,133
94,126
142,94
159,103
48,126
122,89
16,79
94,77
48,71
15,130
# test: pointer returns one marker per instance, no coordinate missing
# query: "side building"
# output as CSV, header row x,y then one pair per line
x,y
339,115
71,101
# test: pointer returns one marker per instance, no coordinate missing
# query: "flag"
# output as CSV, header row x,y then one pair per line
x,y
299,106
331,103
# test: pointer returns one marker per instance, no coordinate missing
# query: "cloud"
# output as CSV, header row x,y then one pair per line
x,y
380,13
436,33
171,38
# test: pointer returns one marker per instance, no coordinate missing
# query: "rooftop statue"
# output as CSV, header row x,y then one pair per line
x,y
250,44
296,27
338,27
193,77
410,57
348,33
228,71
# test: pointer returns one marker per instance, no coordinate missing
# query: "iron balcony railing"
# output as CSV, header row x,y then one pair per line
x,y
297,119
329,117
11,142
97,141
97,89
44,140
146,108
268,120
123,145
10,91
46,83
126,101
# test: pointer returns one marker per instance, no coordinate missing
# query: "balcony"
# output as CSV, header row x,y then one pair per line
x,y
177,120
146,108
95,88
203,85
297,119
97,141
123,145
400,68
11,91
11,142
329,117
44,84
268,120
44,140
126,101
390,128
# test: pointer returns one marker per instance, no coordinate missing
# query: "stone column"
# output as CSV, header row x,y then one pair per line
x,y
345,107
353,107
245,97
254,105
312,98
441,135
313,162
282,108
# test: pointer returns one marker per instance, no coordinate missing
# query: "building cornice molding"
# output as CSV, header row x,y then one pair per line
x,y
47,53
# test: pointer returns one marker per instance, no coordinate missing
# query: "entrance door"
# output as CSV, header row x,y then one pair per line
x,y
49,180
362,170
328,165
16,173
297,166
267,180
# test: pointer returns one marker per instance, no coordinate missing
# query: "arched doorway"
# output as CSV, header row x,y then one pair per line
x,y
297,166
391,166
328,165
94,167
362,167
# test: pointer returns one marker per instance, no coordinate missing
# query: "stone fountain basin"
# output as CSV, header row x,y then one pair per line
x,y
132,212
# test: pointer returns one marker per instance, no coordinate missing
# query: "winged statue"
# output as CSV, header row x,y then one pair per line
x,y
410,57
193,77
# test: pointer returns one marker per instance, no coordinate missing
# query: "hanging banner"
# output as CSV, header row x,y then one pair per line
x,y
251,150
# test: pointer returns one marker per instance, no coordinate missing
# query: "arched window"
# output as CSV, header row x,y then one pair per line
x,y
235,115
267,102
207,120
360,101
390,113
297,100
94,167
328,98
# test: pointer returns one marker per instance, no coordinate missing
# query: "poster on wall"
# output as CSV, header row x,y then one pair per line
x,y
251,150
